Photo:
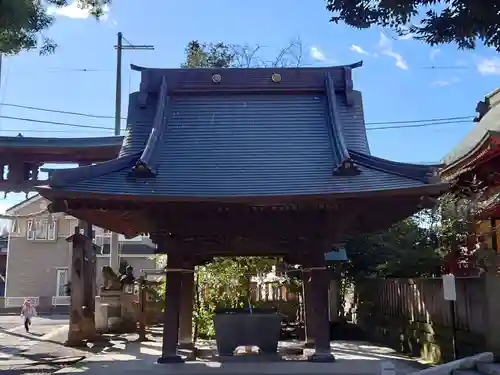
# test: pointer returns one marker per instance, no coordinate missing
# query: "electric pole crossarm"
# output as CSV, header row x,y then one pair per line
x,y
114,256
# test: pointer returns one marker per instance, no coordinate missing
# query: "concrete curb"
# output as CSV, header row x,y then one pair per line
x,y
460,364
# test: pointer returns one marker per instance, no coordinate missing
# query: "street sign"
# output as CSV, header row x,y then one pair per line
x,y
449,291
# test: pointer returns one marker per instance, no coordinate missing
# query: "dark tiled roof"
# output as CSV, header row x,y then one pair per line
x,y
245,143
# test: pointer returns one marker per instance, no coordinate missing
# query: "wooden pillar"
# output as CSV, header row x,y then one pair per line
x,y
494,241
171,315
319,279
308,313
186,308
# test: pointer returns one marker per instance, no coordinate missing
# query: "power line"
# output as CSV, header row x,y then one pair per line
x,y
83,114
43,131
470,118
77,70
422,125
54,122
413,125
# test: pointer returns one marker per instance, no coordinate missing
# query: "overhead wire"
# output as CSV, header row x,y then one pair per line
x,y
406,124
82,114
419,125
54,122
398,124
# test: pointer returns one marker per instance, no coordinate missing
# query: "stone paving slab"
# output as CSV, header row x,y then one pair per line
x,y
18,340
135,357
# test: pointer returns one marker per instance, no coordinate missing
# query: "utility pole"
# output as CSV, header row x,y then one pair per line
x,y
114,253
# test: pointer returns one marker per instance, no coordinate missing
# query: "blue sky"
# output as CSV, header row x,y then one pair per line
x,y
396,79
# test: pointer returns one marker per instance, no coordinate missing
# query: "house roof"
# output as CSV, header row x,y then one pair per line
x,y
208,133
23,203
488,122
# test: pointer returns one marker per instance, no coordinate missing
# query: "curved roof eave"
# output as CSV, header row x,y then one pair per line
x,y
51,143
490,122
475,153
66,177
55,193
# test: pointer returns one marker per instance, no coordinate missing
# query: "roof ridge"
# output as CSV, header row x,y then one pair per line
x,y
145,165
342,159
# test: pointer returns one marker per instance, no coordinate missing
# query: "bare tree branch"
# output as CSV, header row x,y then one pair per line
x,y
247,56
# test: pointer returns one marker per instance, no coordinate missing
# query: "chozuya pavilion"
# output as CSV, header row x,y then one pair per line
x,y
257,161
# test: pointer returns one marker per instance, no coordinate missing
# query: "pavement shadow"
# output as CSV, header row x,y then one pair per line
x,y
141,358
30,336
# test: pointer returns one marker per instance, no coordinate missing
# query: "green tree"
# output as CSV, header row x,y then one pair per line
x,y
208,55
463,22
407,249
225,283
23,23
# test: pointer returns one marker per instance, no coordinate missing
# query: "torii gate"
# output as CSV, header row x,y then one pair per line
x,y
21,161
21,158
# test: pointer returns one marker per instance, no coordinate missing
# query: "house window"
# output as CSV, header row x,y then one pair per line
x,y
62,280
51,230
40,230
15,227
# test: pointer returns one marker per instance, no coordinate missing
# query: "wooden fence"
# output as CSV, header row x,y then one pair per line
x,y
413,315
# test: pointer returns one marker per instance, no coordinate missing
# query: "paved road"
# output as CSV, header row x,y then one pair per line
x,y
14,339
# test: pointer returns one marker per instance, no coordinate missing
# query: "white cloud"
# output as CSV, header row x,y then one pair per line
x,y
441,83
434,52
444,83
358,49
74,11
316,54
385,46
489,66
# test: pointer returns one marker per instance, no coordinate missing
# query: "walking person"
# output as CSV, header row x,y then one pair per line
x,y
28,311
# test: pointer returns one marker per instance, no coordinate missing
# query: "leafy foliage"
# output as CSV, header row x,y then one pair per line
x,y
419,246
225,282
221,55
203,55
23,23
407,249
463,22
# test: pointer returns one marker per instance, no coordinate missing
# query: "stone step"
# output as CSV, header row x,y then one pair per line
x,y
488,368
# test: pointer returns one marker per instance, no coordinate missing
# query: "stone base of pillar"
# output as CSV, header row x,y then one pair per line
x,y
321,357
79,336
174,358
186,345
309,345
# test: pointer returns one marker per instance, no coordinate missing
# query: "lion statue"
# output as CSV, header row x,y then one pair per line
x,y
111,281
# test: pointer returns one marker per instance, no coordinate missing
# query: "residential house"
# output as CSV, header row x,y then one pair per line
x,y
39,256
